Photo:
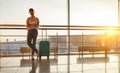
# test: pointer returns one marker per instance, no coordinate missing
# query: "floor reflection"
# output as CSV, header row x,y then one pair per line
x,y
88,60
34,66
43,64
29,63
25,63
62,64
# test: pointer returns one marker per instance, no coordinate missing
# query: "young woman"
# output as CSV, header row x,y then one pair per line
x,y
32,25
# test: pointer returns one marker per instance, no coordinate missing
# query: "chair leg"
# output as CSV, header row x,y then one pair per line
x,y
22,55
39,57
48,57
79,54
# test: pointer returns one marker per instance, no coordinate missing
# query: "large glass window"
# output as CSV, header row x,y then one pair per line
x,y
50,12
94,12
55,12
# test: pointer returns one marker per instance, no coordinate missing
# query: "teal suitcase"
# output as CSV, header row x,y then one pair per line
x,y
44,48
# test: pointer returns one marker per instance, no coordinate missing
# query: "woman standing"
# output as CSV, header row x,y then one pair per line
x,y
32,25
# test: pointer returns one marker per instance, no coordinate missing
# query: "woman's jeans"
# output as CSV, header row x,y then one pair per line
x,y
31,39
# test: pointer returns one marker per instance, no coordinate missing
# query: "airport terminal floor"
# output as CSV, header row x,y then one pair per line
x,y
62,64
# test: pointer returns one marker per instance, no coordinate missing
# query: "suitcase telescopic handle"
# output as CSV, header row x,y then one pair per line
x,y
45,34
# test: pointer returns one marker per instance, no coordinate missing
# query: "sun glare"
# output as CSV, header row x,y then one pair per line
x,y
111,32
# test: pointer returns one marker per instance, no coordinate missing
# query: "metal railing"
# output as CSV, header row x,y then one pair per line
x,y
61,40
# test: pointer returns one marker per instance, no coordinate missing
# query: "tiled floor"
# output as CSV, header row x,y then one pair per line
x,y
62,64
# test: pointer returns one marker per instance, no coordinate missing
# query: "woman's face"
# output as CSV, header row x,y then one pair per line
x,y
31,13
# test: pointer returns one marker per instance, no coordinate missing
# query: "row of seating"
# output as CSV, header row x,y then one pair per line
x,y
24,50
81,49
93,49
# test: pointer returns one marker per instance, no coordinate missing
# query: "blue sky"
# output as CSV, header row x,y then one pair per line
x,y
54,12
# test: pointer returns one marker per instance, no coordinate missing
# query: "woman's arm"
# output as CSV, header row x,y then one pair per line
x,y
27,23
38,22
